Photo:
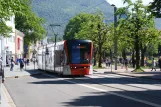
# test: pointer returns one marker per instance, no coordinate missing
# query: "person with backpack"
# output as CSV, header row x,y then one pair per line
x,y
21,64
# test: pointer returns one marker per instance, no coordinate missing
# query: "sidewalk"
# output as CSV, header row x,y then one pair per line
x,y
5,97
147,74
16,71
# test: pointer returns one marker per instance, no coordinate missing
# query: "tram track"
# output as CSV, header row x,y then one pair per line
x,y
132,82
90,82
93,81
139,79
136,92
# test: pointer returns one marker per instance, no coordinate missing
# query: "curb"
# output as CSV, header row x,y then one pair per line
x,y
139,76
134,76
8,97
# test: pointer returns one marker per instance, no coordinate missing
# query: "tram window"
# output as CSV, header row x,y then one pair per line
x,y
79,53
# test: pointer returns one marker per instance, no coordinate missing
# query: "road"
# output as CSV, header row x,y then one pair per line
x,y
98,90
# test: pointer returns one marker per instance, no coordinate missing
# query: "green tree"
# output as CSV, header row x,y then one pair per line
x,y
29,23
7,9
155,7
138,24
89,26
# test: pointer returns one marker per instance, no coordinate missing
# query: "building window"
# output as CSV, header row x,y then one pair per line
x,y
18,42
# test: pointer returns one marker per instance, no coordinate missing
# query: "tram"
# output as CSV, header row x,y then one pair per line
x,y
69,57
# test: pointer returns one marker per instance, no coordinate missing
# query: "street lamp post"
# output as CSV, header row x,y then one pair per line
x,y
54,25
115,40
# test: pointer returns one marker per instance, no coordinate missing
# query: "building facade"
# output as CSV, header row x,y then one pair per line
x,y
19,44
7,44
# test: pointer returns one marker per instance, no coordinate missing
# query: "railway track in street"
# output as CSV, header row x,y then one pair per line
x,y
128,88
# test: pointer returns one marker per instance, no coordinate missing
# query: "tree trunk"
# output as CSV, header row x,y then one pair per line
x,y
100,55
142,55
137,49
133,58
95,57
124,54
111,56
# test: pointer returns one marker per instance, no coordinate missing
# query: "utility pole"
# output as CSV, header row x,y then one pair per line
x,y
115,36
54,25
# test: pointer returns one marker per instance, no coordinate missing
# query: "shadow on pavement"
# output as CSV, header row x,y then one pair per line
x,y
102,99
99,79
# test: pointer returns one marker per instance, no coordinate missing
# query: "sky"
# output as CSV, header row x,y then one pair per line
x,y
119,3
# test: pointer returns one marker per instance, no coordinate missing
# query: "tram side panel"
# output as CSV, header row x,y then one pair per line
x,y
40,59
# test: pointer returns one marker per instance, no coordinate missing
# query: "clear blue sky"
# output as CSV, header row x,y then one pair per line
x,y
119,3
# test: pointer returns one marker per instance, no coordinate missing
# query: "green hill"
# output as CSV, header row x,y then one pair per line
x,y
61,11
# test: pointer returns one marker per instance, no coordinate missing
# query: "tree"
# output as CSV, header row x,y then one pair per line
x,y
138,22
7,9
89,26
29,23
155,8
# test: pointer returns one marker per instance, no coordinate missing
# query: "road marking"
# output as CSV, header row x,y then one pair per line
x,y
102,90
8,97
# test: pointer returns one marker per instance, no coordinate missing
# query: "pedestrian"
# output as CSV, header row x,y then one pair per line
x,y
12,64
1,70
126,63
21,64
1,75
159,61
153,64
106,61
122,63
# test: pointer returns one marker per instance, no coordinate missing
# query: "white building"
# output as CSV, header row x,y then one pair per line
x,y
7,45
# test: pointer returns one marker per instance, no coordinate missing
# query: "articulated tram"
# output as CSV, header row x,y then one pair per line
x,y
69,57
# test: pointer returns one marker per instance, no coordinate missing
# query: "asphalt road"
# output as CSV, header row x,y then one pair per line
x,y
110,90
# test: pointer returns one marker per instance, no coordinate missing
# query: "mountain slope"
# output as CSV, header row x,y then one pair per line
x,y
61,11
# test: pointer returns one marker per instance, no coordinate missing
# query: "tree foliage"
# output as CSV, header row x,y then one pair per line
x,y
90,26
29,23
155,7
138,28
7,9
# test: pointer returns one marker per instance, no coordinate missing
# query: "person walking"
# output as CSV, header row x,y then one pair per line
x,y
1,70
159,61
21,64
126,64
12,64
153,64
1,75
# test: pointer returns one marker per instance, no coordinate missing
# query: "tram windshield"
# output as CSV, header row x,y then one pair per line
x,y
79,52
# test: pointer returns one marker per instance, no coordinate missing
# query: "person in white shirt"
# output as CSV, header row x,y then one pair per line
x,y
153,64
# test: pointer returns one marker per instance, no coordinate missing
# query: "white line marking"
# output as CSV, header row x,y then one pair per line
x,y
120,95
8,97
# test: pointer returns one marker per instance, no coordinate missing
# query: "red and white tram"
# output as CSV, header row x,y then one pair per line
x,y
72,57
